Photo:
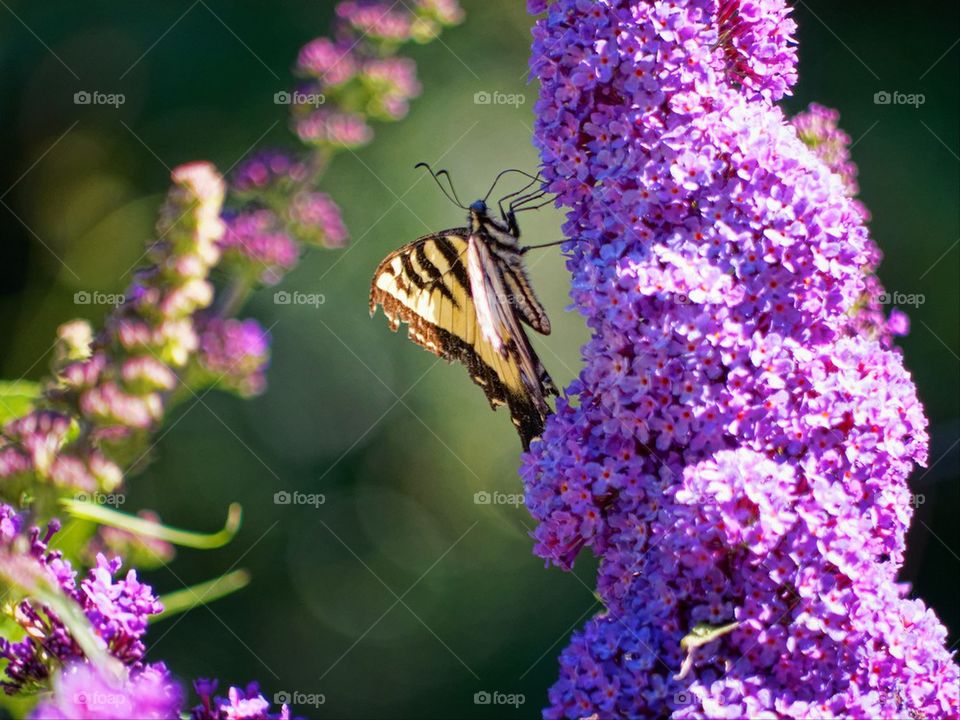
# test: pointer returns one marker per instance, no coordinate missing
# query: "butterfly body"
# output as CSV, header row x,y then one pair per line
x,y
463,293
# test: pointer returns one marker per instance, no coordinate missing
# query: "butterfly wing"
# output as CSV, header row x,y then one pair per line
x,y
428,285
521,292
497,301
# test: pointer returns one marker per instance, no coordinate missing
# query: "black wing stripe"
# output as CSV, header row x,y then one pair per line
x,y
433,272
454,260
410,272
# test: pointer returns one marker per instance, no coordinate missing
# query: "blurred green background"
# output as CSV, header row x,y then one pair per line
x,y
400,596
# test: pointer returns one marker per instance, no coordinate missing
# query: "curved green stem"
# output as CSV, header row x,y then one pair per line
x,y
201,594
146,528
235,296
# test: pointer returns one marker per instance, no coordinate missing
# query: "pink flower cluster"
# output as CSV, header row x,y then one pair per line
x,y
348,79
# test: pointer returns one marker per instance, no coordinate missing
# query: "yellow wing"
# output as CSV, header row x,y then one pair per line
x,y
426,285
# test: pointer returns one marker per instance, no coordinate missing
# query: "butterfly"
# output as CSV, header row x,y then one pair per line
x,y
464,293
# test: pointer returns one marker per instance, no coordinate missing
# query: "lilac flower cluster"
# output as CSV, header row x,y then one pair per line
x,y
347,79
234,354
738,450
82,692
109,392
117,609
818,129
357,72
239,704
258,244
420,20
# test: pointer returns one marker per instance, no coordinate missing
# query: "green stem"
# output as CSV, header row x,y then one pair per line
x,y
201,594
146,528
235,296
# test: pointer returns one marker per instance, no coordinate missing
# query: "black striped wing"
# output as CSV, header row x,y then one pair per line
x,y
430,285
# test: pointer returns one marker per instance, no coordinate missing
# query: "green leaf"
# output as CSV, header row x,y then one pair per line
x,y
203,593
17,398
146,528
701,634
704,633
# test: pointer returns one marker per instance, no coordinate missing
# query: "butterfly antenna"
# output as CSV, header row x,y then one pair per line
x,y
436,178
452,188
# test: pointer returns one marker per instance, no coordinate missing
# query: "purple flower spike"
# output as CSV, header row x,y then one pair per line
x,y
255,242
737,445
334,130
376,19
266,170
240,704
235,354
817,127
83,693
118,610
317,220
330,62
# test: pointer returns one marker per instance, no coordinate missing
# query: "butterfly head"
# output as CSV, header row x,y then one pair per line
x,y
504,229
